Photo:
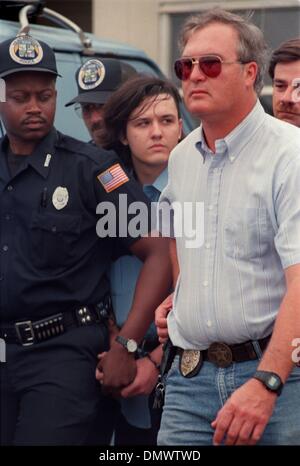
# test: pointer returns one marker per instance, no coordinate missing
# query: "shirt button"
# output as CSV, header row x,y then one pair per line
x,y
210,207
9,187
54,229
207,245
205,283
209,323
7,217
5,248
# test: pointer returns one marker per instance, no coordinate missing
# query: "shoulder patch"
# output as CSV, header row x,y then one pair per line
x,y
113,177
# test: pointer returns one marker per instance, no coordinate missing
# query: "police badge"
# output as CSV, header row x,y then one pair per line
x,y
190,363
60,197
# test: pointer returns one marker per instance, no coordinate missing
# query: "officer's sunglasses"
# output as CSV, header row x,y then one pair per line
x,y
87,109
210,65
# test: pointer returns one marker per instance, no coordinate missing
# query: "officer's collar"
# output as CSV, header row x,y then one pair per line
x,y
41,157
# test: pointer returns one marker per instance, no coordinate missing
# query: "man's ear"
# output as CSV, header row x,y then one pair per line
x,y
251,72
124,140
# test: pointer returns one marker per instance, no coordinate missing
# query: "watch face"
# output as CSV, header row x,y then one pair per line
x,y
131,346
273,382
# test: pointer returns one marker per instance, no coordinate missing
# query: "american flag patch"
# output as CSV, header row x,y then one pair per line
x,y
112,178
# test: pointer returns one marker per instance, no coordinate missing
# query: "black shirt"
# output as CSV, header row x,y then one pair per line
x,y
51,259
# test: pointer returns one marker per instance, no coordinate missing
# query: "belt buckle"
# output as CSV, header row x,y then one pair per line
x,y
22,332
220,354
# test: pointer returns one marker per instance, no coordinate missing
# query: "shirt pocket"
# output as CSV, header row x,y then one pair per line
x,y
248,233
54,239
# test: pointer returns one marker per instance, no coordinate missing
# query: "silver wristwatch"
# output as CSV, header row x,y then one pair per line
x,y
128,343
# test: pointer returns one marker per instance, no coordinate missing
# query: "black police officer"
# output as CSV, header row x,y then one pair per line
x,y
52,263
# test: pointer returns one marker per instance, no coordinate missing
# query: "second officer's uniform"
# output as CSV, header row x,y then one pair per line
x,y
53,294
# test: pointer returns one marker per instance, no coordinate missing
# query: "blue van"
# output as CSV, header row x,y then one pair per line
x,y
72,48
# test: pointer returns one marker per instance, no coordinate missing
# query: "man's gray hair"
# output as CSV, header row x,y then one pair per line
x,y
251,47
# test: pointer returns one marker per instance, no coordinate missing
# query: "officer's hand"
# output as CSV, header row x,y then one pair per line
x,y
145,380
118,369
99,373
243,418
161,318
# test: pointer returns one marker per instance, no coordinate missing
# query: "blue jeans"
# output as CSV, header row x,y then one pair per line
x,y
192,404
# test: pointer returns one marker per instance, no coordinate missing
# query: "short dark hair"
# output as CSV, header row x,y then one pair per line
x,y
124,101
287,52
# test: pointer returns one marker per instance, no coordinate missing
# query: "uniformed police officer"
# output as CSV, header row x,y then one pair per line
x,y
96,81
52,263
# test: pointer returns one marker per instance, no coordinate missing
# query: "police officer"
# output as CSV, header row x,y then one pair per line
x,y
96,81
52,263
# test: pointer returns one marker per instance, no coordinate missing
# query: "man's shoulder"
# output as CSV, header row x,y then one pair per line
x,y
282,132
189,142
85,151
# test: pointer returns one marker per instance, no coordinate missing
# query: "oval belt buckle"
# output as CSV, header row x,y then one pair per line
x,y
190,362
220,354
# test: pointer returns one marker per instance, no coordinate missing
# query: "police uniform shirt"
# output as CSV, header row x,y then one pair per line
x,y
51,258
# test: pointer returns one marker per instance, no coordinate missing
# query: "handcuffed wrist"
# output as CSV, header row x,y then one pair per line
x,y
156,365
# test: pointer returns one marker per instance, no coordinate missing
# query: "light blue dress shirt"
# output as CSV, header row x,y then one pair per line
x,y
231,287
123,276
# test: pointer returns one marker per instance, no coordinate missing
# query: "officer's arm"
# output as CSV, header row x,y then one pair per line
x,y
154,282
152,287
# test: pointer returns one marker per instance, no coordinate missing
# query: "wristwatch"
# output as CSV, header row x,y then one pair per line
x,y
128,343
271,381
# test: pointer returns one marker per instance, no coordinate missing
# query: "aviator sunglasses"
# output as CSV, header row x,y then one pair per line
x,y
210,65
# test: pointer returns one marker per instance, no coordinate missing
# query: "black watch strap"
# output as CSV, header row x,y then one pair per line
x,y
271,381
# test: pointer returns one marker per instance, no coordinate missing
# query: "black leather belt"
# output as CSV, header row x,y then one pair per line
x,y
222,355
28,332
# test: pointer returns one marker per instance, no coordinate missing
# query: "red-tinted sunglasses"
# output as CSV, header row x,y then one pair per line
x,y
210,65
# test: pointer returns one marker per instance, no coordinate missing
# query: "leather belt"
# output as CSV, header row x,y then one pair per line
x,y
222,355
28,332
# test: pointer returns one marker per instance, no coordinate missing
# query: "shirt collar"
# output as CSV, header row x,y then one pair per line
x,y
238,137
161,181
154,190
40,159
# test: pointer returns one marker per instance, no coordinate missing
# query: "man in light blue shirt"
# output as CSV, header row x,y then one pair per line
x,y
235,314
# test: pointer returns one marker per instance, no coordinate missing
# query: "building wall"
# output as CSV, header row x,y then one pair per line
x,y
135,22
